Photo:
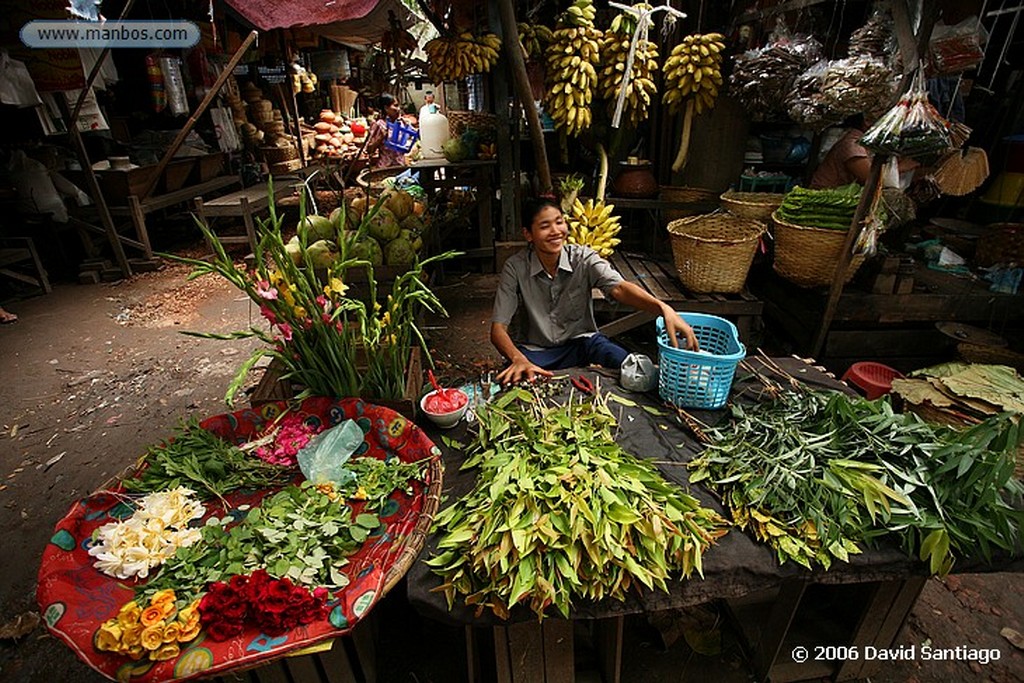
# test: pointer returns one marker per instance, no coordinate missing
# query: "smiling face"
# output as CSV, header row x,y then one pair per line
x,y
547,231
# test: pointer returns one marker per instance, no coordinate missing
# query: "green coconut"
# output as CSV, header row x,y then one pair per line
x,y
368,249
399,252
338,218
321,254
401,204
413,223
316,228
294,251
383,226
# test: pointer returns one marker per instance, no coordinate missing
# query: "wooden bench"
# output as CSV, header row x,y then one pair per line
x,y
15,251
659,279
246,204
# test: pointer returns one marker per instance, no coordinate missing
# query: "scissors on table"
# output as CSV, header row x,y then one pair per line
x,y
582,384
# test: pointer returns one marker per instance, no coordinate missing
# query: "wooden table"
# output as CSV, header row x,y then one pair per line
x,y
15,251
246,204
660,280
437,174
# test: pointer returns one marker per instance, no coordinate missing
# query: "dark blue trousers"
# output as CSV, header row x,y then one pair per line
x,y
596,349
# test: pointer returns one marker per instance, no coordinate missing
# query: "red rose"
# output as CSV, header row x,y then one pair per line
x,y
320,593
222,630
238,582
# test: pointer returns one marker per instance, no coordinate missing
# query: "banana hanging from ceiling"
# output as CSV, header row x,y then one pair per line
x,y
572,63
453,58
615,54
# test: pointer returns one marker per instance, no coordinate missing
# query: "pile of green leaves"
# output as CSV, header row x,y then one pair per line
x,y
818,475
206,463
560,512
832,208
376,479
298,532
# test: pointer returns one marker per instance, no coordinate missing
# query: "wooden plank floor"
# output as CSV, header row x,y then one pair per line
x,y
660,280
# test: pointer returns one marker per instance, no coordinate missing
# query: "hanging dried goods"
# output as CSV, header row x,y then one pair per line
x,y
763,79
615,46
573,57
561,512
911,128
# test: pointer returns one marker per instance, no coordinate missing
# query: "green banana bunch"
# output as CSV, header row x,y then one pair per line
x,y
694,69
614,54
535,40
571,68
453,58
593,225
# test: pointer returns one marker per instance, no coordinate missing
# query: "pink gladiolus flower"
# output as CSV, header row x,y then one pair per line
x,y
324,303
265,291
268,314
286,331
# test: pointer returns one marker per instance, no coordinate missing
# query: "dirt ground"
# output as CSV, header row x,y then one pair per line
x,y
94,373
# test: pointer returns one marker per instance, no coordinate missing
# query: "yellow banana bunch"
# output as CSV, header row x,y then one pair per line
x,y
571,68
593,225
453,58
535,40
614,54
694,69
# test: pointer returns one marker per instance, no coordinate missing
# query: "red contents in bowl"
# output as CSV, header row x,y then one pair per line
x,y
443,400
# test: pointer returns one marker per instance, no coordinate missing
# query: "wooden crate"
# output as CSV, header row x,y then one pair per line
x,y
273,388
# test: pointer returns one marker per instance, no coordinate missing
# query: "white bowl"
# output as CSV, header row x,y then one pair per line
x,y
444,420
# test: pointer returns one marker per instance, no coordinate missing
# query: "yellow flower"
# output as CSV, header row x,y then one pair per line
x,y
152,637
108,637
300,312
130,613
276,278
132,635
153,614
171,632
136,652
385,319
160,597
360,494
169,651
287,294
189,634
189,616
335,286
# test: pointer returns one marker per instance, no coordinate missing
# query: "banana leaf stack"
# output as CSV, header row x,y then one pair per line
x,y
830,209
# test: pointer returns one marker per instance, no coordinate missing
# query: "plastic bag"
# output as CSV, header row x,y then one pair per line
x,y
323,459
638,373
16,86
36,193
955,49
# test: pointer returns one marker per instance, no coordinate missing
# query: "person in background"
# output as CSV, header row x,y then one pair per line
x,y
6,317
389,112
429,106
553,282
847,161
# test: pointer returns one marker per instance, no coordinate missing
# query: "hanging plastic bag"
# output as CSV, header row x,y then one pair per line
x,y
912,128
638,373
323,459
16,86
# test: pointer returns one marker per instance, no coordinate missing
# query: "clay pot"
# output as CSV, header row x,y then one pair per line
x,y
635,180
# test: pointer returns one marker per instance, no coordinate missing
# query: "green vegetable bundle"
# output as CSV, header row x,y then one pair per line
x,y
818,475
831,208
560,511
201,460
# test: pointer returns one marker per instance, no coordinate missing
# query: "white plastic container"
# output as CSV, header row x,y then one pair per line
x,y
433,134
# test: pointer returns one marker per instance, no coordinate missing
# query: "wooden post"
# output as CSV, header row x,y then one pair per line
x,y
187,128
513,51
94,188
867,201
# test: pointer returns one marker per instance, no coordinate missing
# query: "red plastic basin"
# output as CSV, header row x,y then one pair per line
x,y
874,379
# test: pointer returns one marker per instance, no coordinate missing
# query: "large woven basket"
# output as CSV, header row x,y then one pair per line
x,y
459,121
693,195
756,205
807,256
713,252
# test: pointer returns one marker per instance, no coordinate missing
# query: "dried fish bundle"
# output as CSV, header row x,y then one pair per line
x,y
858,84
875,38
762,79
807,105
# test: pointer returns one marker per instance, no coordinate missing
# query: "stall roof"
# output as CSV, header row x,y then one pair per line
x,y
357,22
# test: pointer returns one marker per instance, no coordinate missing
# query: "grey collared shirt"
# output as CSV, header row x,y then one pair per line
x,y
555,309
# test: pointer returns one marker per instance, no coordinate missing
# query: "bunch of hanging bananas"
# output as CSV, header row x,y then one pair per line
x,y
593,225
571,74
614,54
694,68
535,40
452,58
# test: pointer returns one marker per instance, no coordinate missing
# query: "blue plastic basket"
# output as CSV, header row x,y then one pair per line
x,y
690,379
401,137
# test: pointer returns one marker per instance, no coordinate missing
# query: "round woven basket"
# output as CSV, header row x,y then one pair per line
x,y
693,195
807,256
756,205
713,252
459,121
278,155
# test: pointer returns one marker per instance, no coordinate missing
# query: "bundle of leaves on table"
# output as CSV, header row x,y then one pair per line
x,y
561,512
831,209
818,475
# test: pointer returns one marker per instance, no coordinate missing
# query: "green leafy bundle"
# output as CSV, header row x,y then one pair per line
x,y
298,533
560,511
201,460
817,475
831,208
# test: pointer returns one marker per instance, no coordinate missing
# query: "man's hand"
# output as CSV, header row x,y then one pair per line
x,y
522,369
675,326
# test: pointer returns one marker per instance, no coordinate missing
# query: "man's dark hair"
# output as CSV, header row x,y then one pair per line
x,y
534,205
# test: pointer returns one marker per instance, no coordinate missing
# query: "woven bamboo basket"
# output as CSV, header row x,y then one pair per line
x,y
807,256
757,205
459,121
283,167
713,252
693,195
994,355
278,155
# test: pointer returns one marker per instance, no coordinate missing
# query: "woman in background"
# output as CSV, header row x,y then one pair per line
x,y
389,112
